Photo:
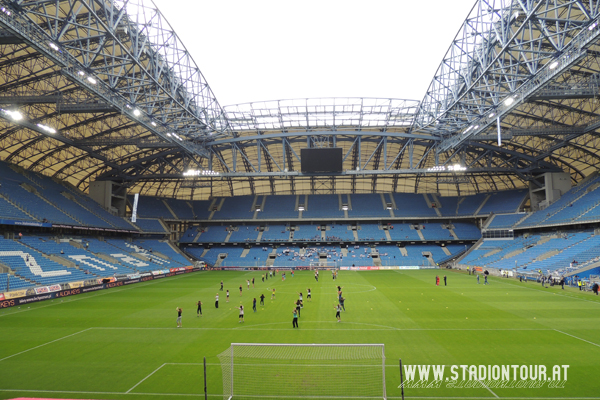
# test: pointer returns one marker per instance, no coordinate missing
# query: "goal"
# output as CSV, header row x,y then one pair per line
x,y
300,371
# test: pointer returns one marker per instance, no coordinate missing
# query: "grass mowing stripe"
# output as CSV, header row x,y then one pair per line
x,y
42,345
573,336
148,376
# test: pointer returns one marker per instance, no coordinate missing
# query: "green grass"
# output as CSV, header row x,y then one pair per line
x,y
123,344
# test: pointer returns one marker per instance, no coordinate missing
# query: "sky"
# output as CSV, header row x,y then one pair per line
x,y
261,50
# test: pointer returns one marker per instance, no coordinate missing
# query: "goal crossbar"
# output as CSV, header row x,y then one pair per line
x,y
295,371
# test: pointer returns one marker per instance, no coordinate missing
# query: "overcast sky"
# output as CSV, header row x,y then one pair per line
x,y
255,50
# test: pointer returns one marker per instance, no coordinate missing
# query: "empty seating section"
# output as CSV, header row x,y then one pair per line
x,y
466,231
201,209
367,205
275,233
468,205
8,211
152,207
449,205
322,206
243,234
434,231
53,192
150,225
500,221
307,232
234,254
33,204
403,232
31,265
411,205
190,234
536,253
239,207
370,232
12,282
567,202
181,208
213,234
162,247
339,232
279,207
504,202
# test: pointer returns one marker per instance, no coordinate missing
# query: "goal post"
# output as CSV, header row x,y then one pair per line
x,y
300,371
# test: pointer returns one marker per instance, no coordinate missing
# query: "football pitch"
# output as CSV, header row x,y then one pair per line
x,y
123,343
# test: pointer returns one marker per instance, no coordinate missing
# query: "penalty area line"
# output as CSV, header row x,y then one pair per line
x,y
573,336
148,376
42,345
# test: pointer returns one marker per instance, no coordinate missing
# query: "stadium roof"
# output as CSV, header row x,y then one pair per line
x,y
107,90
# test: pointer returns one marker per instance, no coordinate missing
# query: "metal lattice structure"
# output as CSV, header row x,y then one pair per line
x,y
107,90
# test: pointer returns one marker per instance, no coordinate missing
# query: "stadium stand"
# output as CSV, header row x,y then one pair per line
x,y
323,206
279,207
507,201
410,205
367,205
181,208
239,207
499,221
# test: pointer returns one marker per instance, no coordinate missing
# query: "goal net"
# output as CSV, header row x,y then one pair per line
x,y
300,371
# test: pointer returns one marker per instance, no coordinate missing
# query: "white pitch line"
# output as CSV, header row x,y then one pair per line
x,y
42,345
137,384
220,395
485,386
573,336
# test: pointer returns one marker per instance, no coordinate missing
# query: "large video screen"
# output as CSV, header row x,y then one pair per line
x,y
327,159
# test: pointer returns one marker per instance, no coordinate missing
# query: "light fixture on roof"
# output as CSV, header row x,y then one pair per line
x,y
5,11
137,112
53,46
509,101
554,64
491,115
516,15
46,128
15,115
80,73
300,208
153,123
591,27
91,80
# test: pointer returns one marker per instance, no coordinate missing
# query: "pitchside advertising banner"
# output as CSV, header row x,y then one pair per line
x,y
363,268
32,295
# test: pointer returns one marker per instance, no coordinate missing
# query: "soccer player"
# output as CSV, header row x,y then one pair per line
x,y
179,317
240,290
295,319
273,294
338,309
478,279
297,304
437,280
199,311
317,275
262,299
248,283
221,286
445,280
300,296
308,296
342,299
263,278
254,304
485,282
217,301
241,319
227,295
252,282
